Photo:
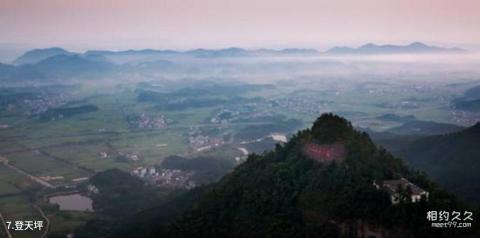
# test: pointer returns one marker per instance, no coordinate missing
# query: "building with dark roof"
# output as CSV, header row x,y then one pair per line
x,y
402,189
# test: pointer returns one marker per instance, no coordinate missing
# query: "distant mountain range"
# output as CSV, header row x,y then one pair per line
x,y
37,55
57,63
12,73
413,48
71,65
55,66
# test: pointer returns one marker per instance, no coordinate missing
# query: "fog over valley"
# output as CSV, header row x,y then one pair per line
x,y
239,119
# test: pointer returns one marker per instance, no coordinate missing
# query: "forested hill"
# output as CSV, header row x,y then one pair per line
x,y
452,159
319,184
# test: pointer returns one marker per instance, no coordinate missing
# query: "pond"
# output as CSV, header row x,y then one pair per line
x,y
72,202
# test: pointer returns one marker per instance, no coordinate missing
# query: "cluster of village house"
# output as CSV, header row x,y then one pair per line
x,y
402,190
122,156
166,178
92,189
129,157
202,143
237,113
464,117
38,105
145,121
305,104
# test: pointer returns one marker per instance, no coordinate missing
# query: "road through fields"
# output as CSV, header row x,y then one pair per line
x,y
20,171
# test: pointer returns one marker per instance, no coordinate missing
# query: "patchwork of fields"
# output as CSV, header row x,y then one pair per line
x,y
45,153
63,152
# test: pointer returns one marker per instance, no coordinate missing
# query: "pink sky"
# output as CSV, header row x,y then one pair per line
x,y
183,24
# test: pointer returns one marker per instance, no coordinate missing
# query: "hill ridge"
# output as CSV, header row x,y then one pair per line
x,y
282,193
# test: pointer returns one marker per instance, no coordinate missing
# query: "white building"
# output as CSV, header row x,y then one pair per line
x,y
400,188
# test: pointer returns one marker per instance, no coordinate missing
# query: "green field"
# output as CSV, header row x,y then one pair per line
x,y
71,147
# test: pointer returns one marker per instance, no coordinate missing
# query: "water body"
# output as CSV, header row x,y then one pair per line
x,y
72,202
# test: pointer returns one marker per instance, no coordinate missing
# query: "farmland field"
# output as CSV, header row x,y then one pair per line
x,y
128,127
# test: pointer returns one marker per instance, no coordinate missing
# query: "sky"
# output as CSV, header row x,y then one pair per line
x,y
185,24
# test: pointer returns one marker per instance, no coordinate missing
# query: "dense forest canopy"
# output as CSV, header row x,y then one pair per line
x,y
284,193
